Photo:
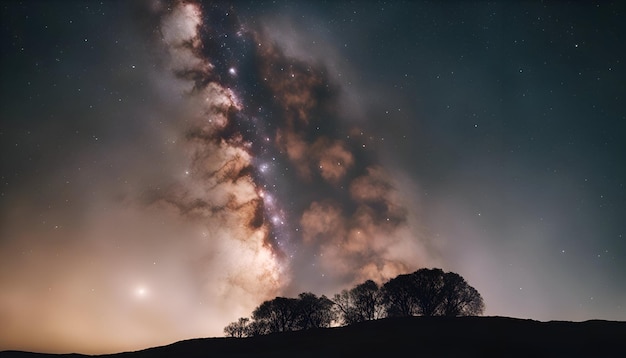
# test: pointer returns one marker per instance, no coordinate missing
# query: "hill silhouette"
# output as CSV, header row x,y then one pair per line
x,y
412,336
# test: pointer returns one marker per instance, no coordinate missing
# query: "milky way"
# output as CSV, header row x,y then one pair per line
x,y
271,162
168,166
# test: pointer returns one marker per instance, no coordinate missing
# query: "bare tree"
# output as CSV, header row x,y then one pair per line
x,y
362,303
237,329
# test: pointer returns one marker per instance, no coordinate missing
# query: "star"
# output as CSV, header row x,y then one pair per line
x,y
140,292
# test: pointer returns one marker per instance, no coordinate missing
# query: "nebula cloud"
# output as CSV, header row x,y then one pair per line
x,y
219,191
272,163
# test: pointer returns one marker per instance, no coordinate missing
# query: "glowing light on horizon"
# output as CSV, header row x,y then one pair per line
x,y
141,292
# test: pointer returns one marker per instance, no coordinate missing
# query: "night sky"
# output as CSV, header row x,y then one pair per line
x,y
166,167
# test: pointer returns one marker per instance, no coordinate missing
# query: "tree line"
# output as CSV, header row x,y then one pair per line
x,y
425,292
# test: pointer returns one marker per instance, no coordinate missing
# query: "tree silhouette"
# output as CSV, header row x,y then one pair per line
x,y
289,314
257,328
313,311
277,315
399,297
426,292
459,298
237,329
362,303
431,292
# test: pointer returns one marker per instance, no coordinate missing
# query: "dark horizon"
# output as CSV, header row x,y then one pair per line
x,y
431,336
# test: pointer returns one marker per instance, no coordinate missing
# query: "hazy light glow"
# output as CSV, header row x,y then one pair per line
x,y
141,292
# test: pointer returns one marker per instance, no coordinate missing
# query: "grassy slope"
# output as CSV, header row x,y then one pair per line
x,y
410,337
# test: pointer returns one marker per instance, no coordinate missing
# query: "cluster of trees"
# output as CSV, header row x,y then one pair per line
x,y
425,292
285,314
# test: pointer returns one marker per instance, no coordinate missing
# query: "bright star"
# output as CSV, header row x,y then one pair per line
x,y
140,292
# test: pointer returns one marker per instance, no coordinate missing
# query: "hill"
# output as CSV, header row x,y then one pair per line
x,y
415,336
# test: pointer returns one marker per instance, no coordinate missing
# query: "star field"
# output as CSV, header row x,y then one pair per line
x,y
167,166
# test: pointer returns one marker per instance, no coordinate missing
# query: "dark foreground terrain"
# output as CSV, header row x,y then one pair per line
x,y
407,337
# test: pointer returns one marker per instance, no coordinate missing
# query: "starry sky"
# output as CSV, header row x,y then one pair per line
x,y
168,166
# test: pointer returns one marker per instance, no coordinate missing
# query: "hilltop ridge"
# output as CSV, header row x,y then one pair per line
x,y
424,336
